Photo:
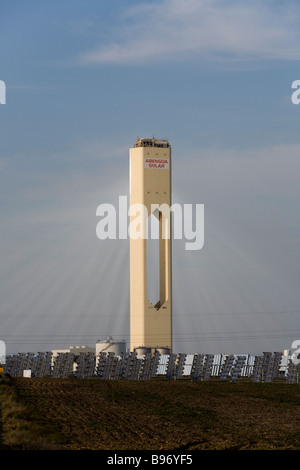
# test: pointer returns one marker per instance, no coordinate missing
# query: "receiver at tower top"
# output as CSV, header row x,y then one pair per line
x,y
163,143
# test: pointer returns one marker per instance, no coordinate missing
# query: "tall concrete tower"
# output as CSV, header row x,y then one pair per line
x,y
150,186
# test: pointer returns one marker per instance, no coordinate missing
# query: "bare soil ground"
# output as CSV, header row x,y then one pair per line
x,y
162,415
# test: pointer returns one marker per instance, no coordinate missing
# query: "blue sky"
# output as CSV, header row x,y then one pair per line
x,y
83,80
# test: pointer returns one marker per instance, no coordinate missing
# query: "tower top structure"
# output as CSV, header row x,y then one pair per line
x,y
158,143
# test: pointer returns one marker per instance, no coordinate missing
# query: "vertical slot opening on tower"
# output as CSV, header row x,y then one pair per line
x,y
153,284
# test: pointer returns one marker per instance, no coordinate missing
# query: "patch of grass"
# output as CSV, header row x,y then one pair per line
x,y
281,393
178,413
21,427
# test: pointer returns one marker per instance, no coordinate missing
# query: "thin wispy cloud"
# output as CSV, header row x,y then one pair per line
x,y
214,29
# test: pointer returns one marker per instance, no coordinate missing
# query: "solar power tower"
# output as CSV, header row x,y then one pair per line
x,y
150,190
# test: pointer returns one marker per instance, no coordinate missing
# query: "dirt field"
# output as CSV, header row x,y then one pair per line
x,y
160,414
